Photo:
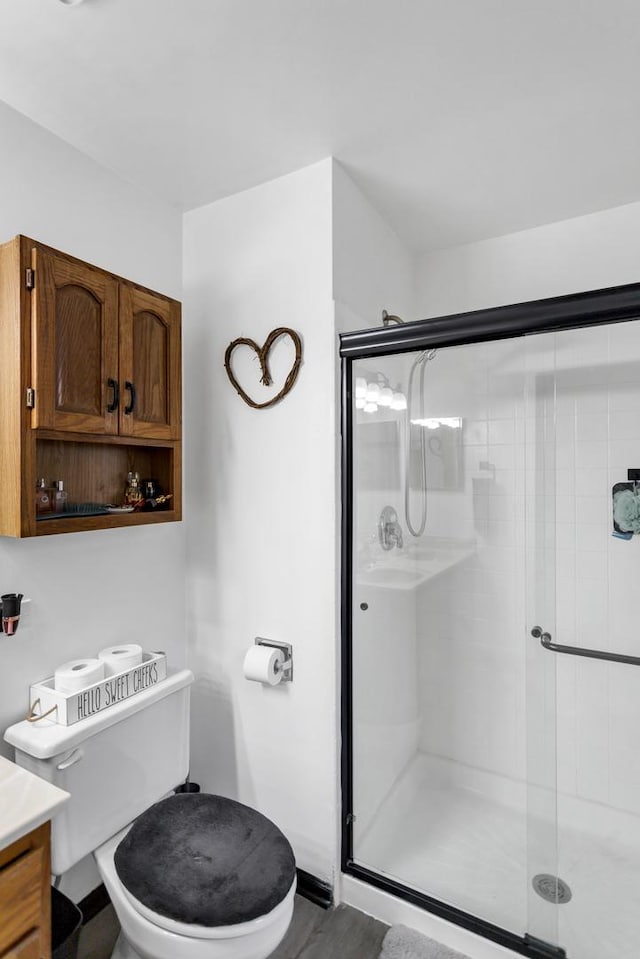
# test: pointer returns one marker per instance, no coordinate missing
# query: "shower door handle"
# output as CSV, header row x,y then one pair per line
x,y
546,640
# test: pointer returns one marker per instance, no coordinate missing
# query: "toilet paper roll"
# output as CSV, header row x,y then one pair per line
x,y
77,674
118,658
261,665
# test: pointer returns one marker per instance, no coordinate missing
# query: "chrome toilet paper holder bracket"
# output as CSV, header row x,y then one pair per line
x,y
286,649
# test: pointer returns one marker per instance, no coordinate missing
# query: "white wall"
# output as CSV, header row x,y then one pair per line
x,y
88,589
261,506
57,195
372,268
262,495
585,253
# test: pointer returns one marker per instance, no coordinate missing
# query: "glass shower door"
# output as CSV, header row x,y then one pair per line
x,y
493,769
543,889
583,573
453,701
597,377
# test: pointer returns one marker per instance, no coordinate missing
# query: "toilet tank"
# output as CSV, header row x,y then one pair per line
x,y
114,764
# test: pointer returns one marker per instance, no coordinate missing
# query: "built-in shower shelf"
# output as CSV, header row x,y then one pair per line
x,y
412,567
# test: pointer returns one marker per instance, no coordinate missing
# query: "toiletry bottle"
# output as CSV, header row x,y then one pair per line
x,y
58,497
150,488
132,491
43,497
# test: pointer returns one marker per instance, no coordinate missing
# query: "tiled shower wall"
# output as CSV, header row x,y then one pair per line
x,y
470,619
474,621
598,439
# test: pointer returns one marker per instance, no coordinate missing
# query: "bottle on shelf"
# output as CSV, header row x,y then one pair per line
x,y
133,495
43,497
58,497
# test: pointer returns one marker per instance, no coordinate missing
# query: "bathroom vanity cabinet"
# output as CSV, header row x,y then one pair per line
x,y
90,389
25,897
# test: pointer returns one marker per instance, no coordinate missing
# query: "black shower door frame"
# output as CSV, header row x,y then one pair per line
x,y
596,308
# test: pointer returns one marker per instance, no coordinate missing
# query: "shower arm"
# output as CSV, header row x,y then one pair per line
x,y
546,640
389,318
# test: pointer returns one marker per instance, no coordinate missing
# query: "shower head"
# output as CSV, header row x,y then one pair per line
x,y
423,357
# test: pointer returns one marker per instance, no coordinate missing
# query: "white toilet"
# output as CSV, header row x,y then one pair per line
x,y
117,765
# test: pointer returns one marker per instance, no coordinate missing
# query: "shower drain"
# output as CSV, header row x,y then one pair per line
x,y
551,888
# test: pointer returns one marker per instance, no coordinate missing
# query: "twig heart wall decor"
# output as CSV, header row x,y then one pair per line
x,y
262,353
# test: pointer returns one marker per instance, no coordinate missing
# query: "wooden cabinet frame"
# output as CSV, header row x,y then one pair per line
x,y
25,896
28,433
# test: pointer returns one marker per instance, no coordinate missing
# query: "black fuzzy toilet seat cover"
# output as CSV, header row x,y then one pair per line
x,y
205,860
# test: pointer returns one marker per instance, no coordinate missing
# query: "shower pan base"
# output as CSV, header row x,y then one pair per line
x,y
459,835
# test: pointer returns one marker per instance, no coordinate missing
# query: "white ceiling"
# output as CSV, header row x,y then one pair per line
x,y
460,119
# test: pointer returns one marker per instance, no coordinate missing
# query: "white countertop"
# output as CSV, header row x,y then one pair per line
x,y
26,801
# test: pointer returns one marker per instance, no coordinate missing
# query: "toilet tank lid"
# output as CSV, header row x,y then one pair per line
x,y
46,739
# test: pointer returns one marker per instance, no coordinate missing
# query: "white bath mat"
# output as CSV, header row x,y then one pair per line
x,y
404,943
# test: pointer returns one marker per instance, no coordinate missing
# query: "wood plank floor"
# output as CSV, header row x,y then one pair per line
x,y
317,933
314,933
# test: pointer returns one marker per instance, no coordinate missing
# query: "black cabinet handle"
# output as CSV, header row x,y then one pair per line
x,y
115,399
128,385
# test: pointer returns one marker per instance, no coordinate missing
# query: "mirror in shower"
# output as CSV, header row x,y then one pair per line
x,y
404,429
381,451
443,438
378,461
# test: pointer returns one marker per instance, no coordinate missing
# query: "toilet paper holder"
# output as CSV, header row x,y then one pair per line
x,y
287,650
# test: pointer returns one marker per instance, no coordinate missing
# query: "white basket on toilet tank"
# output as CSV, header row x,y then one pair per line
x,y
69,708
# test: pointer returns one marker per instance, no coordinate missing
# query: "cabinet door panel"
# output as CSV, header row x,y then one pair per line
x,y
149,365
27,948
75,346
150,353
20,897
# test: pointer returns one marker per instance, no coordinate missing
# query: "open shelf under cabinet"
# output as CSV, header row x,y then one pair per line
x,y
94,470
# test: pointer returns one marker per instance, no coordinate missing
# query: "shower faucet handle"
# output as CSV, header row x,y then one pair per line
x,y
389,529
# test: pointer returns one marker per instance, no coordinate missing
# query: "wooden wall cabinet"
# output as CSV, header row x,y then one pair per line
x,y
90,388
25,897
